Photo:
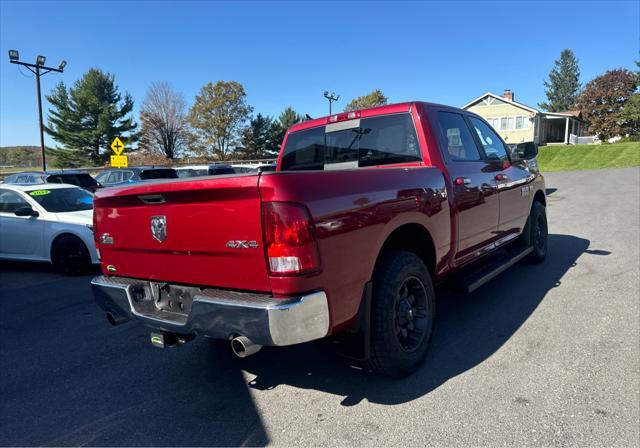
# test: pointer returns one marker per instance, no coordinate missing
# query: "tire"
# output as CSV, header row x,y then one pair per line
x,y
537,233
402,312
70,256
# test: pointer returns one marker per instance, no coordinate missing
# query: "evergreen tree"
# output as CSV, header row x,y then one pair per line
x,y
563,86
88,116
631,110
287,118
256,139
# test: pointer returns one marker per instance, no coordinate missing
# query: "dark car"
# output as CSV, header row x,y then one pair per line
x,y
79,178
205,170
136,174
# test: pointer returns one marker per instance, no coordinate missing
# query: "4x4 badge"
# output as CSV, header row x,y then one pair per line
x,y
242,244
159,227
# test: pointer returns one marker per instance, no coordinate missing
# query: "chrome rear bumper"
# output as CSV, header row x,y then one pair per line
x,y
213,312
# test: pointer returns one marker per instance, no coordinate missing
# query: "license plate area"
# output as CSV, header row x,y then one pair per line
x,y
163,300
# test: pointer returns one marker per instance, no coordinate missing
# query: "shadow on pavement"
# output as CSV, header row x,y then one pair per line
x,y
68,378
469,329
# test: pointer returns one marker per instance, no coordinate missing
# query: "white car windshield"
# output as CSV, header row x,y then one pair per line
x,y
60,200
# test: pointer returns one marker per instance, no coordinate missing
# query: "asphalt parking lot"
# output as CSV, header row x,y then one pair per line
x,y
543,355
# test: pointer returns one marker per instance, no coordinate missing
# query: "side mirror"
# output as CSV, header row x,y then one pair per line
x,y
26,211
526,150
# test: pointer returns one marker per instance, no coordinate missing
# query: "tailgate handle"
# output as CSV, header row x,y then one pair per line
x,y
153,199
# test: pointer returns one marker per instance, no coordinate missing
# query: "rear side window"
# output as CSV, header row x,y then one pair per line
x,y
371,141
168,173
458,139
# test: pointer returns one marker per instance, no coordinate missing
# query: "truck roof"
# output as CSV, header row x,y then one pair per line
x,y
380,110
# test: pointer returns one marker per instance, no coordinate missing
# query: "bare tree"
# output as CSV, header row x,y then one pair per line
x,y
164,122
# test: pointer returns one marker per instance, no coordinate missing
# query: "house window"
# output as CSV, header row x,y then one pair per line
x,y
494,122
522,123
506,123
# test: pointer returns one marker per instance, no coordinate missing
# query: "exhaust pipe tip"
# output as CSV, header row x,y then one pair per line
x,y
243,347
115,319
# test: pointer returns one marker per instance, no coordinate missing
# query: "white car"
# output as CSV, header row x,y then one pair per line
x,y
48,222
204,170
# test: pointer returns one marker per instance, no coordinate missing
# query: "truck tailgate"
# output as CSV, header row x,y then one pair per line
x,y
200,218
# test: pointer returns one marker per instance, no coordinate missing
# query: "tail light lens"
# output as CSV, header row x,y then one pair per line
x,y
290,242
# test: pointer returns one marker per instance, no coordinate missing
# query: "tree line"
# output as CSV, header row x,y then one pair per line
x,y
610,103
219,125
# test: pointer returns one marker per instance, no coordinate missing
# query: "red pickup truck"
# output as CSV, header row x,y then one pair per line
x,y
366,211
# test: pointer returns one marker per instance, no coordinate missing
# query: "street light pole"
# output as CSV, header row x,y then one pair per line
x,y
37,69
43,157
331,97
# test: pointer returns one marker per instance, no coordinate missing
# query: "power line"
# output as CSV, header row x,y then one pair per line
x,y
25,75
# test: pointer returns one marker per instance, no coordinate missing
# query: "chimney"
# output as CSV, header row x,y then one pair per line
x,y
508,95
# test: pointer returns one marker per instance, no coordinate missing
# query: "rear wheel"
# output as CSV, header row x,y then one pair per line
x,y
70,255
538,233
403,309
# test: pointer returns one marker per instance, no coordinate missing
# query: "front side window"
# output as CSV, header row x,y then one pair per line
x,y
458,138
114,177
10,201
102,177
493,147
381,140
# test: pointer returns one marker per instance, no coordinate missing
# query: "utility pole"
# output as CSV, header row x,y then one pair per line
x,y
331,97
37,69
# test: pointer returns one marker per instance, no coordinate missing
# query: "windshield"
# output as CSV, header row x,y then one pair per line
x,y
60,200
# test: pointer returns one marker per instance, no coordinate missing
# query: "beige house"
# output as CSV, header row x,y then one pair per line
x,y
517,122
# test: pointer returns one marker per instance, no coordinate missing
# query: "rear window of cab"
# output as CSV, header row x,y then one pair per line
x,y
380,140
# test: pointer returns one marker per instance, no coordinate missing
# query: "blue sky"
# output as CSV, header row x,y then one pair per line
x,y
288,53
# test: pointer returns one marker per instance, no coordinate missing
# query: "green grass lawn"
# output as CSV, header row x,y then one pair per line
x,y
588,157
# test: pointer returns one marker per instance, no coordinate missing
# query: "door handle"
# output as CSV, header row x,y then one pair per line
x,y
462,181
501,177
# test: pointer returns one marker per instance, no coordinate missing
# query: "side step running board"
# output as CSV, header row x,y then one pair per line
x,y
475,280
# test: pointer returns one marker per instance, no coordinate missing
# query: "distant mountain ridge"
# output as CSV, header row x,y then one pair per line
x,y
28,147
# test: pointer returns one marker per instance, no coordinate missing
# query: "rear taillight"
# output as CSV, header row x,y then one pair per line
x,y
289,239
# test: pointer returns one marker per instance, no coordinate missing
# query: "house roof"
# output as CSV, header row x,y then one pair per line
x,y
567,113
501,98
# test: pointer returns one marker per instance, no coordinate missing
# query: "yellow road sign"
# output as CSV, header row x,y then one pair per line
x,y
117,146
119,161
